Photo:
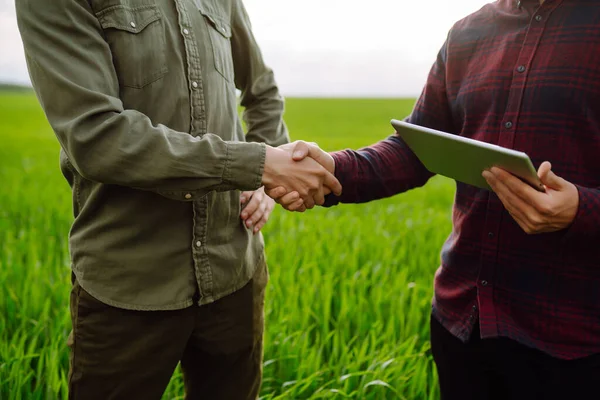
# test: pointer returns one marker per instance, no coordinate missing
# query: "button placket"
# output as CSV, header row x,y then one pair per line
x,y
519,83
473,313
202,269
489,261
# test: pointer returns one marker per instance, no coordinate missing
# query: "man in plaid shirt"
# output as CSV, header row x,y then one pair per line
x,y
516,309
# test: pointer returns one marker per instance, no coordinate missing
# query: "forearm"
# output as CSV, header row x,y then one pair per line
x,y
263,114
381,170
122,147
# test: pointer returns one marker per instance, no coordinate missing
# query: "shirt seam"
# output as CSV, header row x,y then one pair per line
x,y
226,175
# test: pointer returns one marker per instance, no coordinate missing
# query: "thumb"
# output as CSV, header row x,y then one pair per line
x,y
301,150
549,178
322,157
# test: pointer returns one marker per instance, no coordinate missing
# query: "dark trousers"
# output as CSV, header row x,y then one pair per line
x,y
502,369
122,354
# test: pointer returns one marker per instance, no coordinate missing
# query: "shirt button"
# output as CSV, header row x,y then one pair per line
x,y
521,68
475,308
186,32
538,18
132,24
508,125
484,283
490,234
198,244
188,196
195,85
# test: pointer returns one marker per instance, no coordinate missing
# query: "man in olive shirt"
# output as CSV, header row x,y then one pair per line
x,y
142,97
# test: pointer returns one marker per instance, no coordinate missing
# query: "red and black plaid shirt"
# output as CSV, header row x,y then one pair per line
x,y
526,78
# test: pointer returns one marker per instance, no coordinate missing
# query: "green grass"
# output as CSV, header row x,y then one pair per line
x,y
349,298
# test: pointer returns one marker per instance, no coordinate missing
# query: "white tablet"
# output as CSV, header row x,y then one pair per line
x,y
464,159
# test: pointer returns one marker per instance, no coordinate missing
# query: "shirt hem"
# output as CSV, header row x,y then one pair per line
x,y
133,307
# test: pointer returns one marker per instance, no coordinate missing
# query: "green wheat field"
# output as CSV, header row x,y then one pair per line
x,y
350,293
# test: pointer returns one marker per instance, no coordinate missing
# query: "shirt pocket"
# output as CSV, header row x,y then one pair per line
x,y
220,36
136,37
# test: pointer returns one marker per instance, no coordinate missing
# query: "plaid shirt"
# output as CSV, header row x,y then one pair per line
x,y
526,77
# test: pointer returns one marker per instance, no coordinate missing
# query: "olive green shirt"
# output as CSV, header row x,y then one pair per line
x,y
142,97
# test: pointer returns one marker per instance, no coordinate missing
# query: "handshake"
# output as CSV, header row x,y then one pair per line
x,y
299,175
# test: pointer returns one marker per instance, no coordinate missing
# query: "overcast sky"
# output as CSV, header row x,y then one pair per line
x,y
323,47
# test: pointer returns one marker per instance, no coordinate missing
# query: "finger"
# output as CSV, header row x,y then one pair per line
x,y
301,209
536,205
269,205
300,151
319,196
315,152
276,193
296,206
503,193
252,206
517,187
514,205
289,198
333,184
544,169
549,178
309,202
245,196
526,214
257,216
259,225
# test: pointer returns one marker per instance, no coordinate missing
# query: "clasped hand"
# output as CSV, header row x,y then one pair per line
x,y
299,175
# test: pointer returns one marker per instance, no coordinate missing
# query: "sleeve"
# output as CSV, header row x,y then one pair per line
x,y
586,225
390,166
72,72
260,97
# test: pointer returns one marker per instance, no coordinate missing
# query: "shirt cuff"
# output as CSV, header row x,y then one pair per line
x,y
341,159
585,225
244,165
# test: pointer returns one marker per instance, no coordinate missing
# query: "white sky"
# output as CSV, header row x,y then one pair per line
x,y
323,47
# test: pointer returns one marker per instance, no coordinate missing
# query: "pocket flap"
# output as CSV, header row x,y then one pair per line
x,y
218,23
130,19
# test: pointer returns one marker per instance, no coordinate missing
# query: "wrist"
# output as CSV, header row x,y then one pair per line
x,y
332,163
268,172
